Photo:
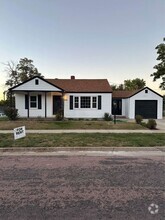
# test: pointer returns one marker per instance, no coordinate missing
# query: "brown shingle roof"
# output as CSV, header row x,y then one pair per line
x,y
82,85
123,94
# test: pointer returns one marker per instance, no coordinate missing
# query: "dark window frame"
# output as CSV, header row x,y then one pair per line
x,y
76,102
94,102
36,82
85,102
33,102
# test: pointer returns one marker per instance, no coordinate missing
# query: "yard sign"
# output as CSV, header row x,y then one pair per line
x,y
19,132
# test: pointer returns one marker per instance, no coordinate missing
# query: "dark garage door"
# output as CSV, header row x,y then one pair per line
x,y
146,108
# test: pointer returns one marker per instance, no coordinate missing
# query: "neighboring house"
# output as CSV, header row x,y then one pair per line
x,y
83,98
86,98
2,108
144,102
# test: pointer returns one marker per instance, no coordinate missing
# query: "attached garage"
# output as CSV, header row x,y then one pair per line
x,y
146,108
145,102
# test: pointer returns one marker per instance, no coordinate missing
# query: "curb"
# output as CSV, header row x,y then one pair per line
x,y
56,149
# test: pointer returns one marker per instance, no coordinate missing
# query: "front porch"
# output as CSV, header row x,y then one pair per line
x,y
43,104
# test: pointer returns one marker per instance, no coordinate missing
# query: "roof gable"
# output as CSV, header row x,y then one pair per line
x,y
128,94
30,85
145,89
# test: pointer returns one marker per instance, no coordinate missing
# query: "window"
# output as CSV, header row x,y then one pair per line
x,y
33,101
85,101
36,82
94,102
146,91
76,102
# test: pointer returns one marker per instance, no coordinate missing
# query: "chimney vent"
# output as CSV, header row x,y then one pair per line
x,y
72,77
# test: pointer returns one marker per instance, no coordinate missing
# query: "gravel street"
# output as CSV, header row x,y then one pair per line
x,y
82,187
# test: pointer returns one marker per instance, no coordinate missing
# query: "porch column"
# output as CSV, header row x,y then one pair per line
x,y
45,104
62,104
28,105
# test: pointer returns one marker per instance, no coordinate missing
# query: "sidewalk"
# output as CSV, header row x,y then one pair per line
x,y
84,131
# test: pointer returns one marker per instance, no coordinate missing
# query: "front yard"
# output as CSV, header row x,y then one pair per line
x,y
84,140
76,139
70,124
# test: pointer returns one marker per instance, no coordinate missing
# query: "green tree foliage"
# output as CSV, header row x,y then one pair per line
x,y
160,67
18,73
130,85
134,84
117,87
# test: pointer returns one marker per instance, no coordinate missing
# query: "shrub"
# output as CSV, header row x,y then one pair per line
x,y
94,119
11,113
144,124
59,116
138,119
151,124
108,117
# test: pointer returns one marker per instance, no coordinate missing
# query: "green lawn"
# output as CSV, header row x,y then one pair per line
x,y
84,140
42,124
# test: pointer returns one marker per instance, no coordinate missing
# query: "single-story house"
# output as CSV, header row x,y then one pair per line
x,y
83,98
77,98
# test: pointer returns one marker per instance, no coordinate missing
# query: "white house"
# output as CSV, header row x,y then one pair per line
x,y
77,98
83,98
144,102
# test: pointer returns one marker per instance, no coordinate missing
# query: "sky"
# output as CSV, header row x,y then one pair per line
x,y
95,39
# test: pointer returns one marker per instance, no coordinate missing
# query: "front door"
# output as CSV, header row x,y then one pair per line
x,y
57,104
116,106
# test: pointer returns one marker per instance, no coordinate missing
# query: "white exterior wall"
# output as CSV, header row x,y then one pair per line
x,y
33,112
145,96
75,113
123,107
106,103
31,86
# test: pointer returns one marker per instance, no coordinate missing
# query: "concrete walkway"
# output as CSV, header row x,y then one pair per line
x,y
85,131
160,124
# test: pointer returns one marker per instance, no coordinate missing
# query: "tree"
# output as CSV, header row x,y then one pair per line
x,y
20,72
119,87
129,84
11,69
134,84
160,67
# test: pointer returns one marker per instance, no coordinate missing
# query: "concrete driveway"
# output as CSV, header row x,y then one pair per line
x,y
160,124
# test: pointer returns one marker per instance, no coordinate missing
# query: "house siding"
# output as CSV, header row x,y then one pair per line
x,y
106,99
35,112
123,107
145,96
20,105
31,86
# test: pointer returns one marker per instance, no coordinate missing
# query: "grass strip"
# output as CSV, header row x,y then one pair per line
x,y
84,140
